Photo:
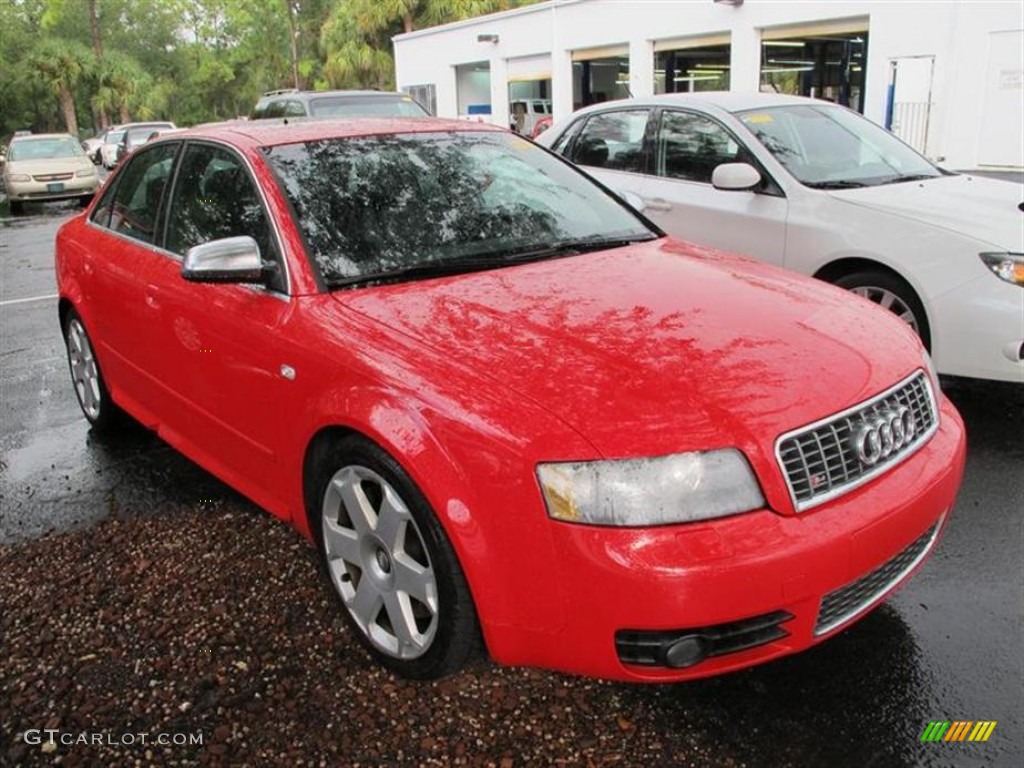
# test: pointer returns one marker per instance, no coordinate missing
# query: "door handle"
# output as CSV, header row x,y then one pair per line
x,y
657,204
152,297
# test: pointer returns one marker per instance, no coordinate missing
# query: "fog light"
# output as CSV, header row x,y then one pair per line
x,y
687,651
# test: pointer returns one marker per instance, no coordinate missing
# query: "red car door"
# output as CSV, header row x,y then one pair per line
x,y
117,268
225,351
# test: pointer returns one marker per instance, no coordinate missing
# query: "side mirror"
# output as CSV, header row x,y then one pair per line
x,y
228,260
735,177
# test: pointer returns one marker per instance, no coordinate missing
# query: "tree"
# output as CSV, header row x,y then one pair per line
x,y
357,35
61,65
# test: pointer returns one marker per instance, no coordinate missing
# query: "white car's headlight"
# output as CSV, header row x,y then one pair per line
x,y
19,177
1006,266
90,171
639,492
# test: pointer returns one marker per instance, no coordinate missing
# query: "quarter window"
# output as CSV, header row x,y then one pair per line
x,y
133,207
613,140
691,146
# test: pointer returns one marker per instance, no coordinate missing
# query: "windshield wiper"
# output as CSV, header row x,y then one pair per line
x,y
487,261
838,184
572,247
418,272
909,177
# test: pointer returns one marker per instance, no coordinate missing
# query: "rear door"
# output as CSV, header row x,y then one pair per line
x,y
679,197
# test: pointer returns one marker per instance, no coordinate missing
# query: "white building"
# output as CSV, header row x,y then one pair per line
x,y
946,76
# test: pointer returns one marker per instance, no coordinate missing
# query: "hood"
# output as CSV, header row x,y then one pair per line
x,y
49,166
657,347
985,209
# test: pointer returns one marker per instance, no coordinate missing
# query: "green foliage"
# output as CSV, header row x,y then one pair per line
x,y
193,60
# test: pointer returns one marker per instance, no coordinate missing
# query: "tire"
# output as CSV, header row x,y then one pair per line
x,y
84,200
390,563
893,293
99,409
17,208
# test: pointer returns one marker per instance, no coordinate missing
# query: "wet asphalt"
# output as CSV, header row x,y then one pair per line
x,y
946,647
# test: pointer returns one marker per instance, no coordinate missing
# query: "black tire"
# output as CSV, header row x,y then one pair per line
x,y
17,208
878,285
84,200
102,413
451,625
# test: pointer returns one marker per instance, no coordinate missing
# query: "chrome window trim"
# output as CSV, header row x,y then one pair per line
x,y
889,586
913,447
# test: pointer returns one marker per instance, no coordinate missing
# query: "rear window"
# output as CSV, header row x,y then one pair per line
x,y
371,106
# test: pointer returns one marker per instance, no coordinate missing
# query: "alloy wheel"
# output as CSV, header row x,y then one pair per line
x,y
889,300
84,373
378,562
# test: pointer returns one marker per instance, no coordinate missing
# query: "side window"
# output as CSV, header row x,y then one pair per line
x,y
275,109
133,206
294,109
562,142
214,197
691,146
613,140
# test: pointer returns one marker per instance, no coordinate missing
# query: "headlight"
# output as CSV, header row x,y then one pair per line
x,y
86,172
19,177
639,492
1006,266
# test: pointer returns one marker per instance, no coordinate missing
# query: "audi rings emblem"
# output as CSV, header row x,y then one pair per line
x,y
882,435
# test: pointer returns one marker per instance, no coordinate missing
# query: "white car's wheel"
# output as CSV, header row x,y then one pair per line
x,y
893,293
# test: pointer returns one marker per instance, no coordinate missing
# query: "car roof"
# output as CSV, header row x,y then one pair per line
x,y
730,101
306,95
276,131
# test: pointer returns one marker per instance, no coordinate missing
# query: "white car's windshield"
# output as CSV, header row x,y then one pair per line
x,y
373,106
44,149
830,147
412,205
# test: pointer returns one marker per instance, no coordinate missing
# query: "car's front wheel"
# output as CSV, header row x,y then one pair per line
x,y
17,208
890,292
391,563
87,378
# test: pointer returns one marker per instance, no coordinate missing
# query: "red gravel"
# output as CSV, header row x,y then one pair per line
x,y
215,621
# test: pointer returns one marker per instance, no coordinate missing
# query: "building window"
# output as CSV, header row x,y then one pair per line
x,y
684,70
424,95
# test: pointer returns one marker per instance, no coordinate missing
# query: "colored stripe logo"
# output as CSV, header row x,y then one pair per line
x,y
958,730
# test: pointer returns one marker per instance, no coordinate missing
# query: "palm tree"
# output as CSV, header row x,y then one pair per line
x,y
60,66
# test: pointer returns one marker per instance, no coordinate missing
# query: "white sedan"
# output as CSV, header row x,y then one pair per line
x,y
819,189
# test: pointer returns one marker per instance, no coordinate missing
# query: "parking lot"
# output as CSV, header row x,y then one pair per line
x,y
139,593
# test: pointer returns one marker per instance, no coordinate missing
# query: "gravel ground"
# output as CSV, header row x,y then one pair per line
x,y
214,620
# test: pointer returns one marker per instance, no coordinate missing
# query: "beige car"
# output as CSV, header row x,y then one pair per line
x,y
47,166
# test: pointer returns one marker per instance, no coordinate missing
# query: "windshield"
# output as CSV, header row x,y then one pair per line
x,y
114,138
138,136
377,204
371,106
825,146
45,149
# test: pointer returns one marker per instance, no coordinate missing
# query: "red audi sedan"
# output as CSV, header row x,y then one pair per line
x,y
510,413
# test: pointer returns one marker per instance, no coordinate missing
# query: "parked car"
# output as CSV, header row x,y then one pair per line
x,y
322,104
540,126
111,144
817,188
134,135
91,147
42,167
499,400
526,112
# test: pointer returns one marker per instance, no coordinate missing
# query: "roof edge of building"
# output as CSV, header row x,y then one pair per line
x,y
490,17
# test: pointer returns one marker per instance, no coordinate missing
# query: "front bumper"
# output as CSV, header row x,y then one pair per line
x,y
978,330
29,191
738,570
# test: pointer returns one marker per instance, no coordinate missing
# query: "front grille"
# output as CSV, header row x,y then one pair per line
x,y
846,602
652,648
53,177
821,461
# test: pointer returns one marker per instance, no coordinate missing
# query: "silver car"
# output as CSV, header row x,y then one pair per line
x,y
47,166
